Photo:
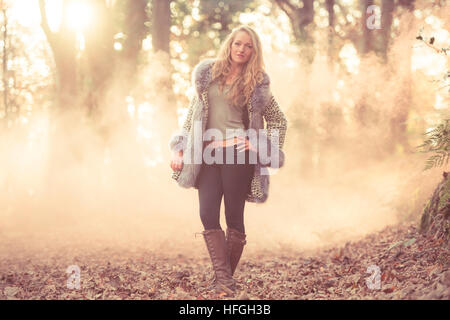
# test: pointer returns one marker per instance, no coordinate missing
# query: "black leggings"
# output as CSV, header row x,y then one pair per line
x,y
232,181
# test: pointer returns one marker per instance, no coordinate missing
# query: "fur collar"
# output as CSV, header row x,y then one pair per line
x,y
202,77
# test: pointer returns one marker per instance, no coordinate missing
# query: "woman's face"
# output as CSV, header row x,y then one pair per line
x,y
241,48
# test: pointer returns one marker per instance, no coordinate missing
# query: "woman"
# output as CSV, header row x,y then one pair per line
x,y
226,117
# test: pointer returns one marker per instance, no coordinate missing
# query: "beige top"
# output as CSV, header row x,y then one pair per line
x,y
222,115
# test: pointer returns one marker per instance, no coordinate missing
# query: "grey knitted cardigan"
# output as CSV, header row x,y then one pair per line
x,y
262,106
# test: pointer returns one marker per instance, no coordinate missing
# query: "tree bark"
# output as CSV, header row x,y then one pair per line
x,y
5,62
63,45
367,39
331,21
435,219
135,32
161,26
403,104
300,18
161,22
409,4
387,9
100,55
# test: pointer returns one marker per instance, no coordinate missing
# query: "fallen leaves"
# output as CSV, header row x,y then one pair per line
x,y
411,266
11,291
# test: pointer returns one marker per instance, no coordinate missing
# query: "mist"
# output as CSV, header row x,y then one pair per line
x,y
84,188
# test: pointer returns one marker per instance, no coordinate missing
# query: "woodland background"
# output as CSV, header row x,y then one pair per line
x,y
119,61
91,91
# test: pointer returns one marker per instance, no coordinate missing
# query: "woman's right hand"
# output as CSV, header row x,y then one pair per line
x,y
176,163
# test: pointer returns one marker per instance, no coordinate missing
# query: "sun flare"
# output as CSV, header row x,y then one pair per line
x,y
79,13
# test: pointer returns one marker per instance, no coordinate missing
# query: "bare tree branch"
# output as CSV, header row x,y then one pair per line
x,y
432,46
286,6
300,17
44,21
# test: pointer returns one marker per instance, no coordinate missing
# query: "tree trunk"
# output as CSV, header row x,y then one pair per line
x,y
161,22
63,45
404,99
409,4
331,21
5,63
135,31
300,18
100,55
67,115
387,9
436,214
366,42
161,26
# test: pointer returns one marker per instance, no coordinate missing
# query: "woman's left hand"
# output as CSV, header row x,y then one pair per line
x,y
244,144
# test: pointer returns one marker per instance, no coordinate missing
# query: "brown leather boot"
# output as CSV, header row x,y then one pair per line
x,y
235,242
218,252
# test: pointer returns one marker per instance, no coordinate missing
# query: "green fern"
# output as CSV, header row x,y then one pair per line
x,y
437,142
438,139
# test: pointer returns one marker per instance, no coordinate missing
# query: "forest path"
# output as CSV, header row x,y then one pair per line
x,y
410,265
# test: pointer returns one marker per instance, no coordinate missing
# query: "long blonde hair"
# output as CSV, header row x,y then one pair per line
x,y
252,72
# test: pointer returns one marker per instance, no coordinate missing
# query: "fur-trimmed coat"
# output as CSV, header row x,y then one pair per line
x,y
261,106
